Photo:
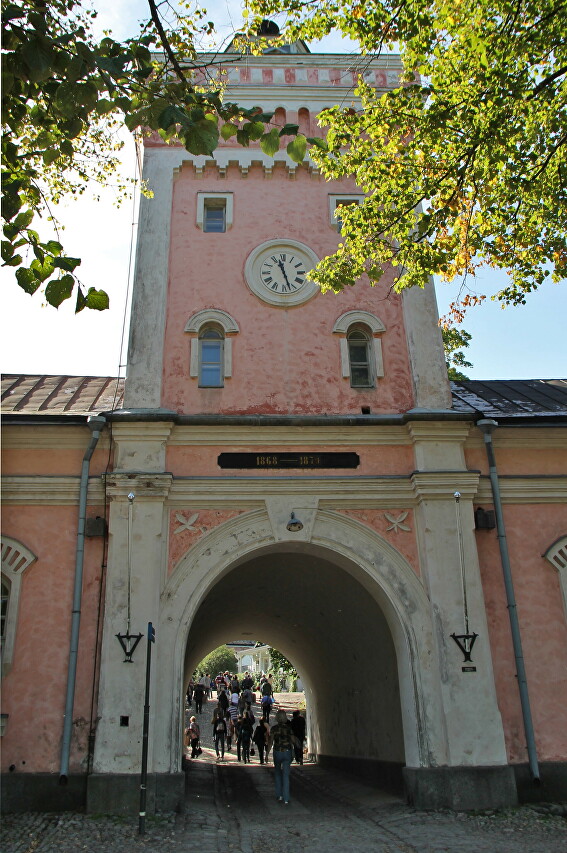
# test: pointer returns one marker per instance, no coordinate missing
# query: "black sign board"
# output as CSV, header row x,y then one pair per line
x,y
298,459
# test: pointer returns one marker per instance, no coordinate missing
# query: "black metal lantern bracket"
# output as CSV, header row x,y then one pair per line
x,y
129,642
466,642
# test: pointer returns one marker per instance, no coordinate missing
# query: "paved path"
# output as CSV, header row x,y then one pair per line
x,y
231,808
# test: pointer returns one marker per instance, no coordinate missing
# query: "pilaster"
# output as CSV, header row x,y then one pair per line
x,y
425,348
141,446
450,572
136,566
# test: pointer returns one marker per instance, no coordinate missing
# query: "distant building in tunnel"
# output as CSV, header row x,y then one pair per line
x,y
287,466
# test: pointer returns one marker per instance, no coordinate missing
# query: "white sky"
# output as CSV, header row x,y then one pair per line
x,y
515,343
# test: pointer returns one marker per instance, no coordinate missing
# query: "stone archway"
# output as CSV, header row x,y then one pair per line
x,y
381,584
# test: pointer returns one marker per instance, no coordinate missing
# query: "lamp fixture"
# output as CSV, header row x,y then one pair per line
x,y
294,525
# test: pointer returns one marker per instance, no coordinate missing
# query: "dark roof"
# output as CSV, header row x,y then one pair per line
x,y
60,395
517,400
514,398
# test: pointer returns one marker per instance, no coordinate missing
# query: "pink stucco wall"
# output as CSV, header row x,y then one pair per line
x,y
280,354
530,531
382,460
33,692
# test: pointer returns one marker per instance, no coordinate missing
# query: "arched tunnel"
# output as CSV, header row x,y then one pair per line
x,y
323,613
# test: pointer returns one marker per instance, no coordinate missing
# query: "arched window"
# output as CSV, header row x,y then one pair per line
x,y
211,346
15,560
361,347
360,358
4,610
211,357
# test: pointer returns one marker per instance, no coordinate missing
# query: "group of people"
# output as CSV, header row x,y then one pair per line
x,y
234,721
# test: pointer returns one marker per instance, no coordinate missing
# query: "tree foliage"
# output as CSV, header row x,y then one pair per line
x,y
464,164
66,93
279,662
219,660
454,341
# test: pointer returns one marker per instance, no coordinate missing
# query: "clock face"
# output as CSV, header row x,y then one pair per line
x,y
283,272
278,272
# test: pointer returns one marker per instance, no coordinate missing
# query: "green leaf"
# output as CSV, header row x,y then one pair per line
x,y
27,280
23,220
172,116
97,299
59,289
318,142
270,142
255,129
65,263
228,130
42,271
50,156
242,137
202,137
297,148
289,130
7,250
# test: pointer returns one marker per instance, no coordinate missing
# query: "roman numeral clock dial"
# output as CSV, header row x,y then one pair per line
x,y
278,272
283,273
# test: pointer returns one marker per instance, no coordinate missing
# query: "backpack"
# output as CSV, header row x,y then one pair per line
x,y
266,689
282,737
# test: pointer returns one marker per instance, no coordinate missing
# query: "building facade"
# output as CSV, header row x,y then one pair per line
x,y
291,466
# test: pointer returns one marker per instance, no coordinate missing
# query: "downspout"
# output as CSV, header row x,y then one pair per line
x,y
96,424
488,426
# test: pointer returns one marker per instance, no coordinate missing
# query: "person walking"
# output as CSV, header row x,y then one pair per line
x,y
244,738
193,734
198,694
267,702
282,739
260,738
219,734
298,728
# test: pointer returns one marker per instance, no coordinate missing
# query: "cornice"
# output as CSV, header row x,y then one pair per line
x,y
437,431
251,492
144,486
525,490
442,485
282,436
37,490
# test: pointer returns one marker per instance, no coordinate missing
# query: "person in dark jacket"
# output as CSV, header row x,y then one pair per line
x,y
298,728
260,738
244,728
198,694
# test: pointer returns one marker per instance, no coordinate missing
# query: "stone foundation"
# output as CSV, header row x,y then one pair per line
x,y
114,793
461,788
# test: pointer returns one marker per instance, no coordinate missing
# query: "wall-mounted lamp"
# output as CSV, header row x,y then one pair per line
x,y
128,642
294,525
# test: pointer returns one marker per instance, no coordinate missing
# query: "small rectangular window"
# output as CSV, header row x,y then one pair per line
x,y
215,216
214,211
336,201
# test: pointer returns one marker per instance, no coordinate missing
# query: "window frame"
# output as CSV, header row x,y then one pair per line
x,y
215,199
218,335
211,317
374,327
337,199
16,559
368,363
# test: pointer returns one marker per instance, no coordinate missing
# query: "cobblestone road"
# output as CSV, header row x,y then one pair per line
x,y
231,808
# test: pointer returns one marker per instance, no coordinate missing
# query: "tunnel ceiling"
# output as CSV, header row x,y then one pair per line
x,y
304,605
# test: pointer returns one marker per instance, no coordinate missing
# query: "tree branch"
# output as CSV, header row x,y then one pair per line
x,y
164,40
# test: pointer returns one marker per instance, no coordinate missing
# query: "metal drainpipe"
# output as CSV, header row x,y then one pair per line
x,y
487,426
95,424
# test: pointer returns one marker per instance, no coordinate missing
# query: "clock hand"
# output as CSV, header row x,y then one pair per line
x,y
281,266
